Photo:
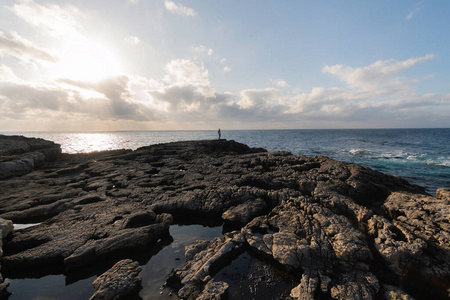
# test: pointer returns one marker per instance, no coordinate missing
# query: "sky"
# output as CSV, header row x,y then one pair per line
x,y
205,64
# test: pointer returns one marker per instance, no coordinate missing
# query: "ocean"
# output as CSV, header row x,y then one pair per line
x,y
421,156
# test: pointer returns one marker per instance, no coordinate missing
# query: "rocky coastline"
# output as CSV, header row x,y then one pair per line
x,y
342,231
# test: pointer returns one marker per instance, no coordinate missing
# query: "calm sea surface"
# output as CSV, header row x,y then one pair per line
x,y
421,156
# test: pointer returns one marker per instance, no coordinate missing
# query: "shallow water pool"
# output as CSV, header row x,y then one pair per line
x,y
156,265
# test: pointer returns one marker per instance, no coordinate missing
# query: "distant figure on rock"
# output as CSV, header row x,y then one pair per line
x,y
219,133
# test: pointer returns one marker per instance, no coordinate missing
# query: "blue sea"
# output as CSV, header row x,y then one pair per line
x,y
421,156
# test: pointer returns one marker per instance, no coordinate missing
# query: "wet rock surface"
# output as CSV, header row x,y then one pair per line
x,y
341,230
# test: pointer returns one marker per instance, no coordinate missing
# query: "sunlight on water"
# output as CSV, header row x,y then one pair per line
x,y
89,142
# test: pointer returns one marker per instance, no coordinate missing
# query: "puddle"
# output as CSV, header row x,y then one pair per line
x,y
156,265
49,287
155,272
252,278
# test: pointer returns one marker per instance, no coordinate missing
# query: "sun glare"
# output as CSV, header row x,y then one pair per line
x,y
87,62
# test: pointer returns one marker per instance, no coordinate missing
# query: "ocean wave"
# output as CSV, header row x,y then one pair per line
x,y
444,163
416,156
360,152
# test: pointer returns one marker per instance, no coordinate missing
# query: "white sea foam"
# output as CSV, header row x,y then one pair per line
x,y
360,152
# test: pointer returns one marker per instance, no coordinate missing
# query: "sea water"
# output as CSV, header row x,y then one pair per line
x,y
421,156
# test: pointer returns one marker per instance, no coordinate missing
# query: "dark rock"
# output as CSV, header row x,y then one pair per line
x,y
119,282
20,155
6,228
343,230
214,291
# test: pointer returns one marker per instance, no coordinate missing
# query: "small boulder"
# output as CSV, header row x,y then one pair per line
x,y
119,282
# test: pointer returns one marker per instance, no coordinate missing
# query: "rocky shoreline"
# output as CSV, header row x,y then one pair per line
x,y
342,230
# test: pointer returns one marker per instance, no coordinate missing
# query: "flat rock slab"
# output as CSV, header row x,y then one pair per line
x,y
343,230
119,282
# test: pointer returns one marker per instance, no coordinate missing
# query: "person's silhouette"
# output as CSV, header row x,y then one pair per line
x,y
219,133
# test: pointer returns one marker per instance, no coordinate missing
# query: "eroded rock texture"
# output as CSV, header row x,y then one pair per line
x,y
343,230
19,155
119,282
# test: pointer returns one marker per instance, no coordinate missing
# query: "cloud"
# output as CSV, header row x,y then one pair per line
x,y
185,94
24,50
6,74
203,49
179,9
132,40
445,99
50,18
259,98
416,9
226,69
185,71
377,76
279,82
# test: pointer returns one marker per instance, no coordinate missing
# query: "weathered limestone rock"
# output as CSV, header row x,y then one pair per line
x,y
343,231
214,291
443,194
390,292
306,289
19,155
6,227
119,282
245,212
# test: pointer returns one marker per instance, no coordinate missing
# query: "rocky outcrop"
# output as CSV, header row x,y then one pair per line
x,y
343,231
20,155
6,227
119,282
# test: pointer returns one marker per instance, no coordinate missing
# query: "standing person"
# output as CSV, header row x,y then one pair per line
x,y
219,133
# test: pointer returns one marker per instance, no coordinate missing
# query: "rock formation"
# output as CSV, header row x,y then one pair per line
x,y
119,282
19,155
343,230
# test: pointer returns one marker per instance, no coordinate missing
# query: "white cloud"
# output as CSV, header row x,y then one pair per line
x,y
133,1
24,50
186,95
179,9
410,15
223,60
417,7
203,49
51,18
377,76
6,74
133,40
226,69
279,82
185,71
259,98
